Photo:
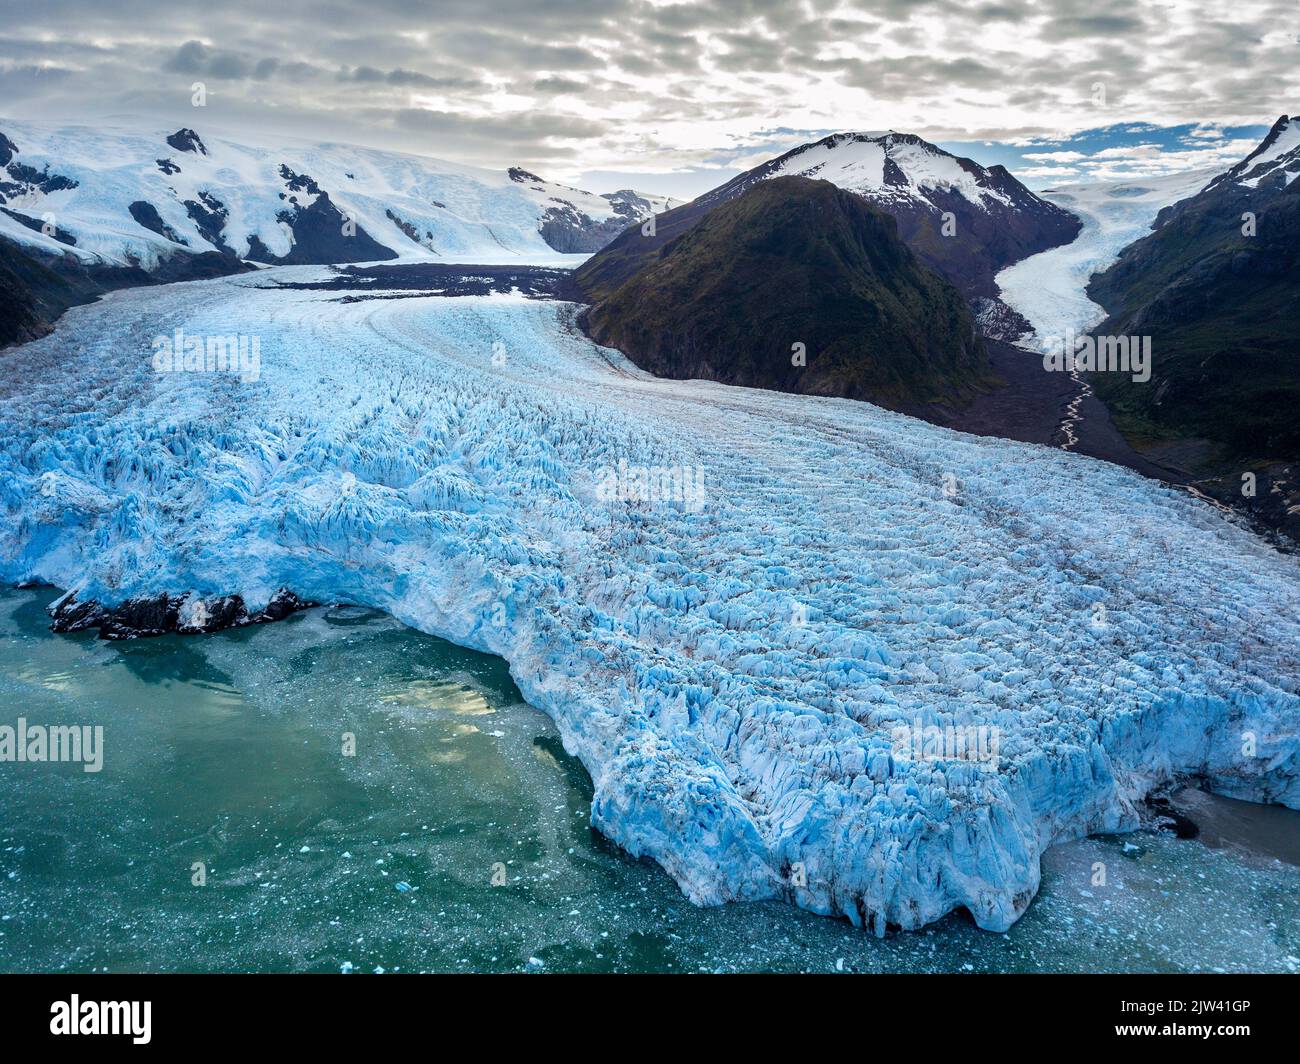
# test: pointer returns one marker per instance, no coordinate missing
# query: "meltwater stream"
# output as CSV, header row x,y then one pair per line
x,y
227,750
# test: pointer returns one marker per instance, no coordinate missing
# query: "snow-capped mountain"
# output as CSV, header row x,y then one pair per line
x,y
884,166
128,197
995,220
795,259
962,219
1275,163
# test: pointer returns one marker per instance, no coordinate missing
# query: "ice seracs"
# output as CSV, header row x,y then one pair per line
x,y
734,675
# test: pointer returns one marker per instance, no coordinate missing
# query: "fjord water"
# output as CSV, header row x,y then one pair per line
x,y
227,749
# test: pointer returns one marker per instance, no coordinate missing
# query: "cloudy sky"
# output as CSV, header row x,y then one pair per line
x,y
678,96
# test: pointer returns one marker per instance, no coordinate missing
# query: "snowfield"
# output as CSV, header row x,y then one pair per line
x,y
732,674
421,208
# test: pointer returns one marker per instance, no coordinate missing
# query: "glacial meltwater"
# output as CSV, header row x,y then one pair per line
x,y
336,792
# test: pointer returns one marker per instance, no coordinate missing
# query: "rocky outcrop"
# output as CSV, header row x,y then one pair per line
x,y
147,215
187,614
185,139
569,230
321,232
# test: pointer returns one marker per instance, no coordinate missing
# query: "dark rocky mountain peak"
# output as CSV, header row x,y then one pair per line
x,y
186,139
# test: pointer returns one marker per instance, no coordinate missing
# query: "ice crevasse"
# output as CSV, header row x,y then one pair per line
x,y
734,674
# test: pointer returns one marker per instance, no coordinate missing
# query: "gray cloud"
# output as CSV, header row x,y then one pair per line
x,y
630,83
558,86
197,59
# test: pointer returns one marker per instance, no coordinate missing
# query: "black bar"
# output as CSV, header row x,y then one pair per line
x,y
341,1013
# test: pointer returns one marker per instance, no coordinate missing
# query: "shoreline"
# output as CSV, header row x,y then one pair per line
x,y
1251,830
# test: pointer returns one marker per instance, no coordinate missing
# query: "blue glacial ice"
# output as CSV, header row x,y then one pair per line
x,y
731,673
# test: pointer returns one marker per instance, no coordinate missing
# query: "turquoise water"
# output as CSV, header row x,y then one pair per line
x,y
228,750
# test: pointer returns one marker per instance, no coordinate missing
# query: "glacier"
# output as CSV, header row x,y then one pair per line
x,y
733,669
1049,290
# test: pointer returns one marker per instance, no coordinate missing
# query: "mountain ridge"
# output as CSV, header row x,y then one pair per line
x,y
84,211
274,204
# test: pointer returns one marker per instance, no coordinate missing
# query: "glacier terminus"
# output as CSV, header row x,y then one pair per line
x,y
734,664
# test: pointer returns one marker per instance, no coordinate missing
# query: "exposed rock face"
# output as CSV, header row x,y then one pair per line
x,y
186,139
168,613
147,215
19,179
209,215
36,225
31,295
567,229
797,286
321,232
1216,286
570,229
998,321
406,227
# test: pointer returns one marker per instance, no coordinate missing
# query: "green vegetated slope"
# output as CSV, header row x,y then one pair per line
x,y
790,261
